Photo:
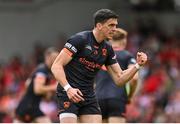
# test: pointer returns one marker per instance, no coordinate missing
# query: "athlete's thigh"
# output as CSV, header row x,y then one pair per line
x,y
90,107
116,119
42,119
104,110
90,112
95,118
68,110
116,108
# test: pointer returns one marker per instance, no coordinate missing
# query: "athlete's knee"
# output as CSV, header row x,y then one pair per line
x,y
68,118
17,121
43,119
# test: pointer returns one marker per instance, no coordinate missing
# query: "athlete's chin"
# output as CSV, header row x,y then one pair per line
x,y
109,37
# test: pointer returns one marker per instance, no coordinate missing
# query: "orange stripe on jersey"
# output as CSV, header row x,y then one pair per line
x,y
67,51
40,77
104,68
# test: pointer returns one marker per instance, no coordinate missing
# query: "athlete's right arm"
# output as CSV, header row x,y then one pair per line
x,y
57,69
39,84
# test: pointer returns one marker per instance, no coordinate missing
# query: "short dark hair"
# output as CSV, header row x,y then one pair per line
x,y
50,50
103,15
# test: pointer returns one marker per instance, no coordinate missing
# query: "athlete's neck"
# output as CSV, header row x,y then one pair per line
x,y
99,38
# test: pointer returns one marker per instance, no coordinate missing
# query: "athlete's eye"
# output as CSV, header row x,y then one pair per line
x,y
112,25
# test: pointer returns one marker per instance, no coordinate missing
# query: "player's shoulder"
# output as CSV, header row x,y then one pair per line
x,y
127,53
81,35
41,68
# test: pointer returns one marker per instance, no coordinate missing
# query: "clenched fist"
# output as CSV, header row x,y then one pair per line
x,y
141,58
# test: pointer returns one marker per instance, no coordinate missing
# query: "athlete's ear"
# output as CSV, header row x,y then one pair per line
x,y
99,26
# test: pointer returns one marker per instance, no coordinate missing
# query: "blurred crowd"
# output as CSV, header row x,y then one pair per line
x,y
158,98
158,95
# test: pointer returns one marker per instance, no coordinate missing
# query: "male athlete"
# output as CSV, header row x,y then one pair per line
x,y
28,109
79,61
111,98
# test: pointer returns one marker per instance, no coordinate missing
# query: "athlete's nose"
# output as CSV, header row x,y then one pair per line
x,y
114,29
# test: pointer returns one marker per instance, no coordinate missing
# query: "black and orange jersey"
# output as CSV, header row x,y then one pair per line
x,y
29,104
87,58
105,87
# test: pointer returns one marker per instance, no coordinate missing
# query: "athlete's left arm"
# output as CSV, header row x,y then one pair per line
x,y
133,83
122,77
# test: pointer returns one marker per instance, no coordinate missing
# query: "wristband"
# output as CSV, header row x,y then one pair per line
x,y
66,87
137,66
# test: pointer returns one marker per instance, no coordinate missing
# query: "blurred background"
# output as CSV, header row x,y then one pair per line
x,y
27,27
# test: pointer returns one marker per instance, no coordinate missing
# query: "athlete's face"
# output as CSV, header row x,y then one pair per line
x,y
50,58
109,27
